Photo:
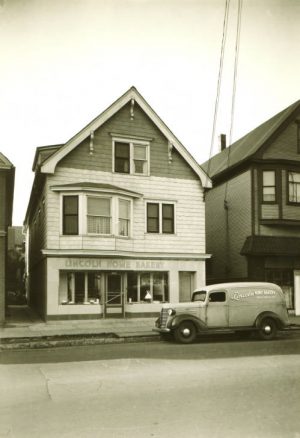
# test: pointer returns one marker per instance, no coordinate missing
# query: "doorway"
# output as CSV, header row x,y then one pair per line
x,y
186,286
114,296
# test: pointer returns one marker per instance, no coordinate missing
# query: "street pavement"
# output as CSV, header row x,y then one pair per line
x,y
25,329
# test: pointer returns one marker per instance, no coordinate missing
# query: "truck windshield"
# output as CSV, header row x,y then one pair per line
x,y
199,295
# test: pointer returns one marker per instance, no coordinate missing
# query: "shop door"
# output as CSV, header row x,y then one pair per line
x,y
186,286
114,302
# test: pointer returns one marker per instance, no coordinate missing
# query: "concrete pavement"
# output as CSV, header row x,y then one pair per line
x,y
24,329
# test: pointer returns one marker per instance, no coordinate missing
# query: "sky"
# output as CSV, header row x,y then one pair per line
x,y
65,61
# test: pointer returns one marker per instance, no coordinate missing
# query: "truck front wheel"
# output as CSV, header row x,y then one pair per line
x,y
267,329
185,333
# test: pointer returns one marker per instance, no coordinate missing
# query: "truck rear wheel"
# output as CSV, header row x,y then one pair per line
x,y
267,329
185,333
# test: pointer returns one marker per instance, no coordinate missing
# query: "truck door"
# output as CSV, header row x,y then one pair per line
x,y
217,309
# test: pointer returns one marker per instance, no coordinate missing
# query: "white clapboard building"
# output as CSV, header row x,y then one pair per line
x,y
116,219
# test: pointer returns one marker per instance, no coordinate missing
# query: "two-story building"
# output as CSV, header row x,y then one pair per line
x,y
116,219
253,210
7,181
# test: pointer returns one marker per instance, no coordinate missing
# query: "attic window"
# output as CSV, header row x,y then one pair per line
x,y
298,136
131,156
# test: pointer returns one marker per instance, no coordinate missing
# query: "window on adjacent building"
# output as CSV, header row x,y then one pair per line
x,y
269,186
98,215
131,157
160,218
124,217
70,215
294,187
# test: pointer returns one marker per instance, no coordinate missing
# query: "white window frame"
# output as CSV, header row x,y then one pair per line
x,y
160,204
111,199
80,206
132,143
82,214
121,198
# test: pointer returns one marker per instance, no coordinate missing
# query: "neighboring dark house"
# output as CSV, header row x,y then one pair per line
x,y
7,178
116,220
253,210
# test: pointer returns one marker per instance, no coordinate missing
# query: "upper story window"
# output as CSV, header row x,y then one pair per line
x,y
100,215
294,187
131,157
160,218
70,215
269,186
124,217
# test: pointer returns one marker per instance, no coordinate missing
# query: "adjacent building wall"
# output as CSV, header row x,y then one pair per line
x,y
227,227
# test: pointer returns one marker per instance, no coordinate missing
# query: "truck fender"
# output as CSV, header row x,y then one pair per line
x,y
267,314
199,324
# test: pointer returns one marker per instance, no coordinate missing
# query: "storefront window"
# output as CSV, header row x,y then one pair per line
x,y
283,278
147,287
80,287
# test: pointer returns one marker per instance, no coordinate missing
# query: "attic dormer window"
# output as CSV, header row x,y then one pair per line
x,y
131,157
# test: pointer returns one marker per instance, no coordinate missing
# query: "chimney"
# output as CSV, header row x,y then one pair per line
x,y
223,142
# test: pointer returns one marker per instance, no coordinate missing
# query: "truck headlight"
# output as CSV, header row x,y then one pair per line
x,y
171,312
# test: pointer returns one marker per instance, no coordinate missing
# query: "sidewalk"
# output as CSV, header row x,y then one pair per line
x,y
24,329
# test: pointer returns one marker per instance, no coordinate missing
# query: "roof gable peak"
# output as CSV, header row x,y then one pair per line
x,y
132,94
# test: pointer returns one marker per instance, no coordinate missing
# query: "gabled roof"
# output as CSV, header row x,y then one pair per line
x,y
49,165
248,145
4,162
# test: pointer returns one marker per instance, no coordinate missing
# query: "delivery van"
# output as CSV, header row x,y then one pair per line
x,y
227,307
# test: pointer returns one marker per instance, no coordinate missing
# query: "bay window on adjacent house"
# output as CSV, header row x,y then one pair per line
x,y
160,218
269,186
294,187
131,157
70,215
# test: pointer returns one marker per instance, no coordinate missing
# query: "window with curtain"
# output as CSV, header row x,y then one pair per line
x,y
124,217
98,215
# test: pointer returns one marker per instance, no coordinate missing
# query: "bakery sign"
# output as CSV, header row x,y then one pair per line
x,y
92,263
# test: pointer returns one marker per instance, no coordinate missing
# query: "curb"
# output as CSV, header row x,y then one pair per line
x,y
72,340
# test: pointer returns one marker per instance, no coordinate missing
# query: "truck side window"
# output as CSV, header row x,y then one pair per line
x,y
217,297
199,296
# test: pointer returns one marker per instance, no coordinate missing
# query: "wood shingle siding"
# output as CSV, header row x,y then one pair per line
x,y
141,126
226,237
